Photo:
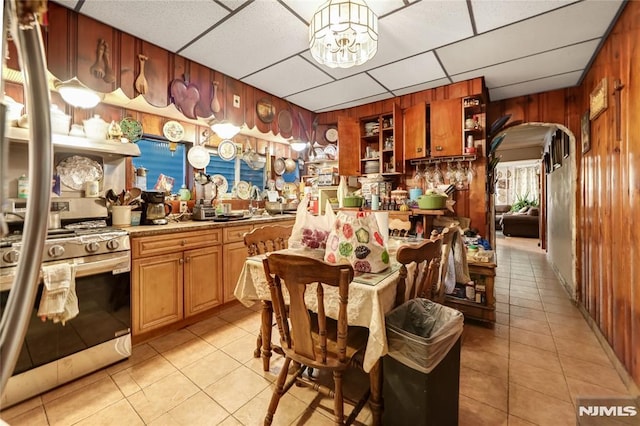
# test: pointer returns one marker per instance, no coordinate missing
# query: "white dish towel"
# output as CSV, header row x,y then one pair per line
x,y
59,301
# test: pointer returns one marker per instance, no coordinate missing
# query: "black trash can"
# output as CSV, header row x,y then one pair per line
x,y
422,369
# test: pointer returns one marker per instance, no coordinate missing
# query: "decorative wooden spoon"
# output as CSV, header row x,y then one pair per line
x,y
96,69
141,82
215,104
109,75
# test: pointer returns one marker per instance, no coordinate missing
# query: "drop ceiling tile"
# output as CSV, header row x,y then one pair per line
x,y
233,4
559,61
285,78
535,86
370,99
492,14
307,8
247,42
530,37
170,24
349,89
409,72
416,29
423,86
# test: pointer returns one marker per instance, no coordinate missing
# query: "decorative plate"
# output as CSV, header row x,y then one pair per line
x,y
198,157
330,151
243,190
279,166
173,131
227,150
331,134
290,189
75,170
265,110
131,129
285,122
279,183
221,184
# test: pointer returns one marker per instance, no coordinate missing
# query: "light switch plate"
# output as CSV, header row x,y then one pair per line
x,y
236,101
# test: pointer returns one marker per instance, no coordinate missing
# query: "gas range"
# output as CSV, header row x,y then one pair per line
x,y
71,243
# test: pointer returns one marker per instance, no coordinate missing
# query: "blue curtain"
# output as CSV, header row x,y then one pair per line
x,y
156,157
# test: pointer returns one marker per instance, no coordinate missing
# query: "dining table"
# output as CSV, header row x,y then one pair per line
x,y
371,296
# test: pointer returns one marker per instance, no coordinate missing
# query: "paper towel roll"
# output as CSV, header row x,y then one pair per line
x,y
382,217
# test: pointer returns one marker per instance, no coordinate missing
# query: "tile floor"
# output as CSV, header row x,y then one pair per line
x,y
527,370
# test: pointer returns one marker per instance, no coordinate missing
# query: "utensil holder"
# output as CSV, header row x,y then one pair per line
x,y
121,215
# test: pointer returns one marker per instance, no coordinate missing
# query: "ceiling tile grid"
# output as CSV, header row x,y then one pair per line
x,y
166,23
247,42
520,47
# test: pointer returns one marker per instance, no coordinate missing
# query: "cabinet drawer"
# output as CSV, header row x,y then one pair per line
x,y
167,243
235,233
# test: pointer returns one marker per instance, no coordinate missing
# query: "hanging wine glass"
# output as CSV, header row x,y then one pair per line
x,y
437,175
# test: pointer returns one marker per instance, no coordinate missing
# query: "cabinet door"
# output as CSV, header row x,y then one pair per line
x,y
234,255
348,146
415,132
156,291
202,279
446,128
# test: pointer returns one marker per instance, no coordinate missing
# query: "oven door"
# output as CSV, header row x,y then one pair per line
x,y
103,290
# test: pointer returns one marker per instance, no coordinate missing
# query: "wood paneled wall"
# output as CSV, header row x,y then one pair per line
x,y
71,42
608,196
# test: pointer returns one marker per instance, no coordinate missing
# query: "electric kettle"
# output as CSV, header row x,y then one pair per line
x,y
154,210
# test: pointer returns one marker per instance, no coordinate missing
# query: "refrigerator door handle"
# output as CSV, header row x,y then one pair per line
x,y
25,30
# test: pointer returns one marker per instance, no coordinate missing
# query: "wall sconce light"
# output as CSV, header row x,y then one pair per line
x,y
225,129
77,94
298,145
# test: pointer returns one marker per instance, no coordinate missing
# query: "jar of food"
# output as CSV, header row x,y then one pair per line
x,y
23,187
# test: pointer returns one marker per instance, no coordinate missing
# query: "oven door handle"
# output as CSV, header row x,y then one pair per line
x,y
117,265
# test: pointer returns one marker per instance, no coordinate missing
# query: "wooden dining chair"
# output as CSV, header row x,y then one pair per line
x,y
448,234
426,256
263,240
313,341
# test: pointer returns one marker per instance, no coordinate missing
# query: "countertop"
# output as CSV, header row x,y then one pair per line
x,y
194,225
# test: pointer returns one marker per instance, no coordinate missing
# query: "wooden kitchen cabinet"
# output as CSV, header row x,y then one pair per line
x,y
157,291
355,142
446,128
416,131
174,276
234,255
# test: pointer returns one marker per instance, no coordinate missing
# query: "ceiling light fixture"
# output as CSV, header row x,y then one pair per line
x,y
77,94
298,145
343,33
225,129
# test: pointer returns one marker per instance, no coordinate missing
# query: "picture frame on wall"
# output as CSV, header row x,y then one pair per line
x,y
585,132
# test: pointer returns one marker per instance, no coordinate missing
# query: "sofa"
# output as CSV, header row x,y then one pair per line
x,y
522,223
500,209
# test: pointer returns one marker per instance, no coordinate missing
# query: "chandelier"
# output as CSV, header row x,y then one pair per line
x,y
343,33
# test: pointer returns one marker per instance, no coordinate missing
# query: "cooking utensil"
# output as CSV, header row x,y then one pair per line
x,y
141,82
279,166
289,165
134,194
215,104
432,201
111,196
109,75
96,69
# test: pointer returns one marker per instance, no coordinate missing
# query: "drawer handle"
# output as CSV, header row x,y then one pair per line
x,y
188,259
181,261
439,148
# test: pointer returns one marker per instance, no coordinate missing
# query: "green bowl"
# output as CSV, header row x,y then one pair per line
x,y
432,201
352,201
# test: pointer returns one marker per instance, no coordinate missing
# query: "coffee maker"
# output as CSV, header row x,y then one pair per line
x,y
154,208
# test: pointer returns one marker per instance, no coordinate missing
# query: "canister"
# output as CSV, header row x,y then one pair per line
x,y
91,189
23,187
